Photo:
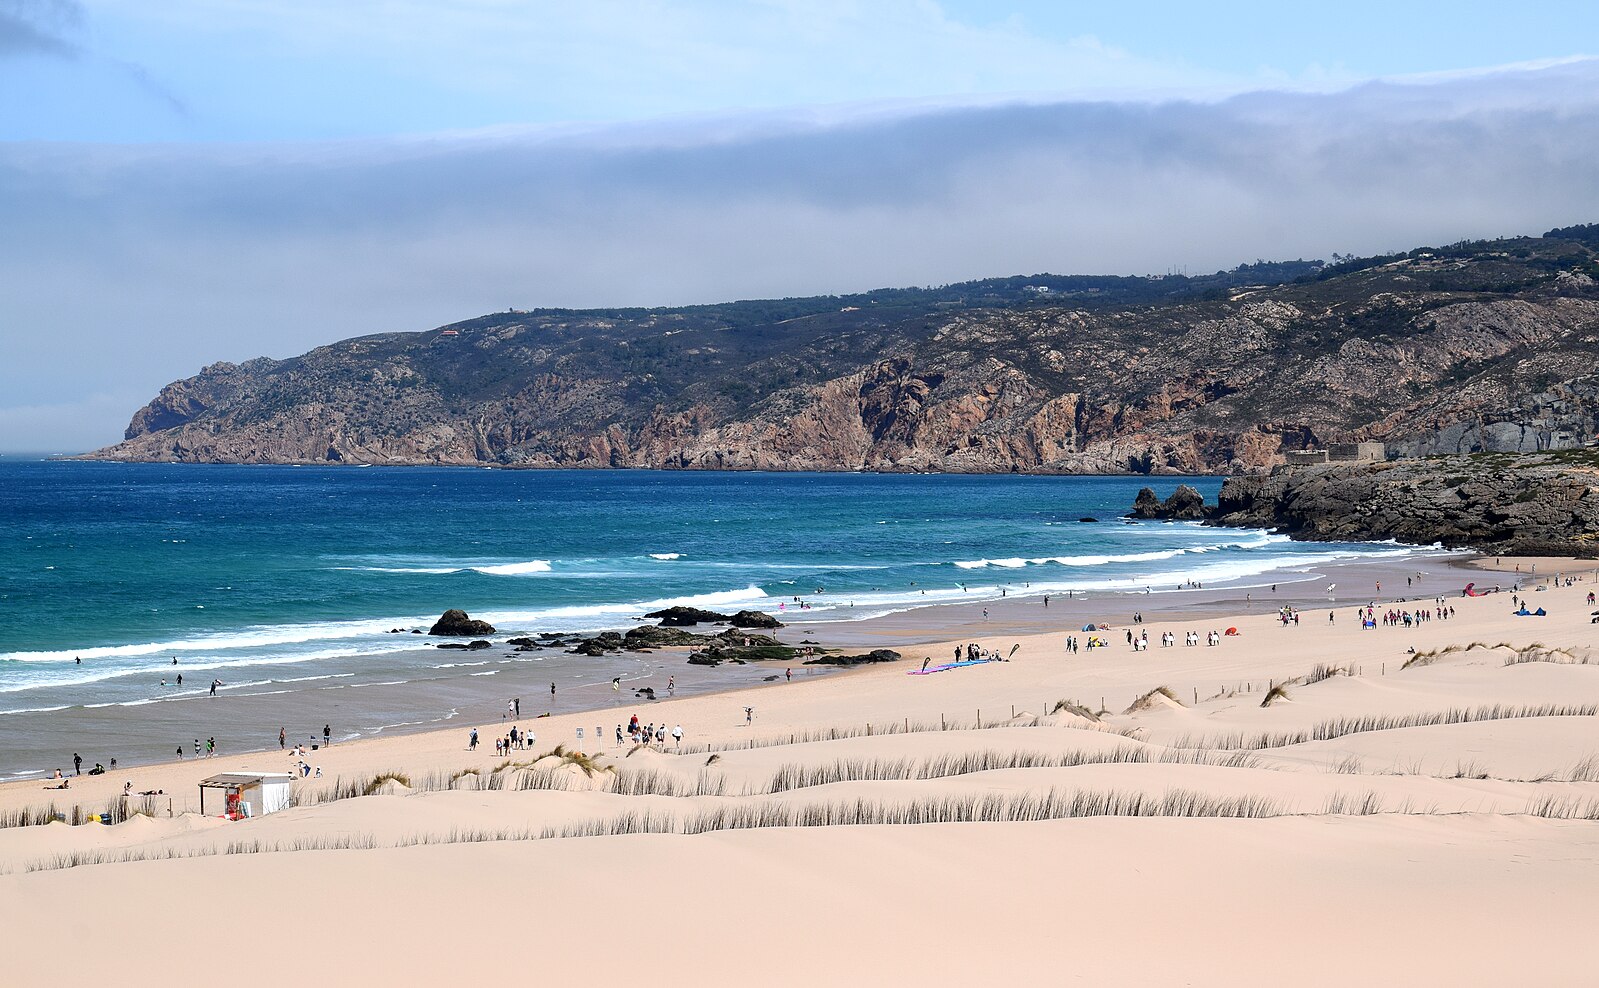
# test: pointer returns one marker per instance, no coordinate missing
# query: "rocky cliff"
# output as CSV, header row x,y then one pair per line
x,y
1533,504
1477,346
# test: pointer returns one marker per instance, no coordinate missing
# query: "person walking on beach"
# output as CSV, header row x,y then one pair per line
x,y
283,738
749,716
671,684
790,674
77,763
517,707
197,747
471,744
677,735
552,689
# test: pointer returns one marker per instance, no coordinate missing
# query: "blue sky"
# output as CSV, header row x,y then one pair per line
x,y
186,181
265,70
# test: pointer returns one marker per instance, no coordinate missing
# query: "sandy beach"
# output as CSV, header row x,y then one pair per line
x,y
1308,802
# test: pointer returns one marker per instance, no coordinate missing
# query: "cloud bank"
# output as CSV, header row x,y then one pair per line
x,y
125,267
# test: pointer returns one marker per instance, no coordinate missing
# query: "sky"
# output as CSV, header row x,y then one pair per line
x,y
187,181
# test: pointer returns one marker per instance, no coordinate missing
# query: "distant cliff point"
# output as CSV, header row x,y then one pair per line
x,y
1488,345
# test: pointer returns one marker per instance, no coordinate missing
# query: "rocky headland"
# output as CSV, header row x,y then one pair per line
x,y
1489,345
1544,504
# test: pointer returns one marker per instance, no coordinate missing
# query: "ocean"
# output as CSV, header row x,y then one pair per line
x,y
277,579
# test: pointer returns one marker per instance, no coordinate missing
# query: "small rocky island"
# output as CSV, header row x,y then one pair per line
x,y
1544,504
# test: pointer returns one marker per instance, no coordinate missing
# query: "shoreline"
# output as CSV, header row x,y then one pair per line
x,y
1011,622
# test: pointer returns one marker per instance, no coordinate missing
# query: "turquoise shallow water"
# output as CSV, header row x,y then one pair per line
x,y
126,566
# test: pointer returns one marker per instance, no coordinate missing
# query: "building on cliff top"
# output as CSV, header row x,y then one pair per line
x,y
1357,452
1338,453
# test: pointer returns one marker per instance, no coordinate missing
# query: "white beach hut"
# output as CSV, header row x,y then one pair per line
x,y
249,793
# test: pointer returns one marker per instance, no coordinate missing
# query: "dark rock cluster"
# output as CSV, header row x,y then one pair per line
x,y
1184,504
455,623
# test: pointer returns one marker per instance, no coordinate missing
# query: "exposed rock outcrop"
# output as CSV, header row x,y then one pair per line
x,y
1184,504
755,619
1537,504
686,617
875,655
455,623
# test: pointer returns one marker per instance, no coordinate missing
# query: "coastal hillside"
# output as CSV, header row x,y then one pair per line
x,y
1487,345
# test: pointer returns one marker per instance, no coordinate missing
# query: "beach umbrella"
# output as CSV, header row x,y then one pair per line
x,y
1232,631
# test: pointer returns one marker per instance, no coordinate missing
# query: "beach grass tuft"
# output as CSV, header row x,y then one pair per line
x,y
377,781
1348,804
1558,808
1328,730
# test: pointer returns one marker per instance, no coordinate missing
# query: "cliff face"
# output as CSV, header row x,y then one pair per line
x,y
1479,346
1537,504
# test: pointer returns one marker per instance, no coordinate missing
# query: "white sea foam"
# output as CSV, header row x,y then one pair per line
x,y
1259,540
666,555
260,636
486,568
515,569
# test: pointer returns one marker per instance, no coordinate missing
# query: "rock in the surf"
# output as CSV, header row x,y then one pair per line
x,y
455,624
755,619
683,617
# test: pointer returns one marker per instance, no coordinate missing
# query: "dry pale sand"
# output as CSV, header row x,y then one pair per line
x,y
1352,829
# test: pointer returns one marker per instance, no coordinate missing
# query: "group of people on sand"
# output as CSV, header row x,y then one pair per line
x,y
62,781
1395,617
303,768
514,740
973,652
1168,639
649,734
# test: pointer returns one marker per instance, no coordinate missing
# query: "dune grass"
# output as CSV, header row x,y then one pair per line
x,y
1151,701
1338,727
30,816
77,859
1348,804
378,781
1586,770
651,782
797,776
1278,692
117,810
901,726
967,808
1074,708
1322,671
1558,808
1557,656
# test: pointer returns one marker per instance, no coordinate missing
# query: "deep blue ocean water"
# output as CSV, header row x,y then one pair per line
x,y
129,565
